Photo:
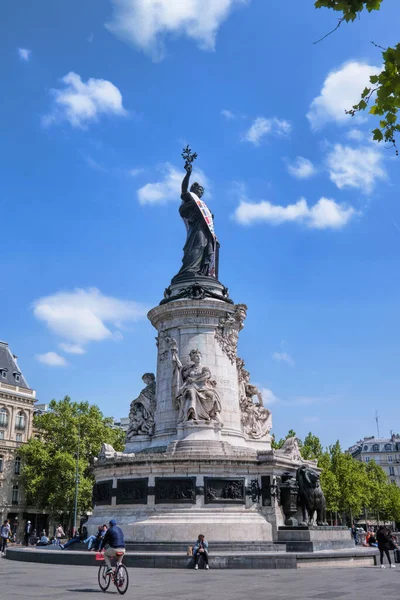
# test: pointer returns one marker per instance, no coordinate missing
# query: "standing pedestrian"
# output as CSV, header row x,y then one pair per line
x,y
27,532
385,543
59,534
4,535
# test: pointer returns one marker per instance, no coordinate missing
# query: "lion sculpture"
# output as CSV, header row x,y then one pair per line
x,y
311,496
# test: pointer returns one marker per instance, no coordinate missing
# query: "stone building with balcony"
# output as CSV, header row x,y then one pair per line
x,y
384,451
17,401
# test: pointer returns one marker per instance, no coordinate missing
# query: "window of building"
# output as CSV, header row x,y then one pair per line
x,y
1,434
365,448
391,471
3,417
388,447
390,458
18,437
367,459
15,494
4,373
20,421
1,463
17,377
17,466
375,448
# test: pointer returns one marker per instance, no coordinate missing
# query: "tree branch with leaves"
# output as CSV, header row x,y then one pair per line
x,y
382,98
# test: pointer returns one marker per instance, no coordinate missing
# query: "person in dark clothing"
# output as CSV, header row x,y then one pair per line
x,y
114,537
28,532
385,543
74,540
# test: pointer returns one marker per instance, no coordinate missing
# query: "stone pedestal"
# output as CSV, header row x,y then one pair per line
x,y
195,324
309,539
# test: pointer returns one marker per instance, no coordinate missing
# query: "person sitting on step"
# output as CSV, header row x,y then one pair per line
x,y
200,549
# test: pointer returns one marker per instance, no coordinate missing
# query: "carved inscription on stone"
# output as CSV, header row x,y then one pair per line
x,y
170,490
132,491
224,490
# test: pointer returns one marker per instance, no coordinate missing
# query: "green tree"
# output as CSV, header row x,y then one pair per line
x,y
329,483
382,97
49,463
376,497
311,447
391,510
277,445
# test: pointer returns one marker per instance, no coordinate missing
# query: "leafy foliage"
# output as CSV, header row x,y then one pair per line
x,y
350,8
49,463
312,447
385,87
277,445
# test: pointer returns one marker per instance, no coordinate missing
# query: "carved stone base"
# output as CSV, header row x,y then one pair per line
x,y
137,443
199,430
195,288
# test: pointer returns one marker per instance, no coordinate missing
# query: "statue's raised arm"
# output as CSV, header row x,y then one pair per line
x,y
185,181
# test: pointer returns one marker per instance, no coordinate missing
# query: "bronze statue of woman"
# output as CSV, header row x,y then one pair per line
x,y
200,250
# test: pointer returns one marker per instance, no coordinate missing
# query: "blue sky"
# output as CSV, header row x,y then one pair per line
x,y
99,97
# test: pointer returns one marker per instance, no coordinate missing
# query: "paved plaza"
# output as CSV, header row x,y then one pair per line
x,y
25,580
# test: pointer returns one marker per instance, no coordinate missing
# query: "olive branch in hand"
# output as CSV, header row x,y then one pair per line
x,y
188,156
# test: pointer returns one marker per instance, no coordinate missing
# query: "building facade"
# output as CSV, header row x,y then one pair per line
x,y
384,451
17,401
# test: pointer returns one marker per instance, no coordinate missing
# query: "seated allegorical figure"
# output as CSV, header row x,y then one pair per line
x,y
197,398
141,415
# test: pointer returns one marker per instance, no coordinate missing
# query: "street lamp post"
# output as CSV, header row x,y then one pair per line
x,y
76,481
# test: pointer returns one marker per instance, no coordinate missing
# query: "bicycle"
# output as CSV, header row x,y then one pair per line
x,y
119,577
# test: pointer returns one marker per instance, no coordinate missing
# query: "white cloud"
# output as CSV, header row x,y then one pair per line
x,y
169,188
356,135
228,114
341,90
325,214
52,359
24,54
283,357
301,168
136,172
147,23
263,126
72,348
85,315
93,164
268,397
81,103
355,167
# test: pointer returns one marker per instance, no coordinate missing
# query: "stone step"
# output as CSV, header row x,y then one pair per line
x,y
214,546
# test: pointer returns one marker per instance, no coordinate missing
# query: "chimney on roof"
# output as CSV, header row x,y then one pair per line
x,y
15,357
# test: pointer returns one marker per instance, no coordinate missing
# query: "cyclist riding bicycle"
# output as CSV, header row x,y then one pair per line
x,y
114,537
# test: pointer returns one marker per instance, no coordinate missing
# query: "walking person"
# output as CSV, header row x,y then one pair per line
x,y
114,537
4,535
28,532
385,543
59,534
200,549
